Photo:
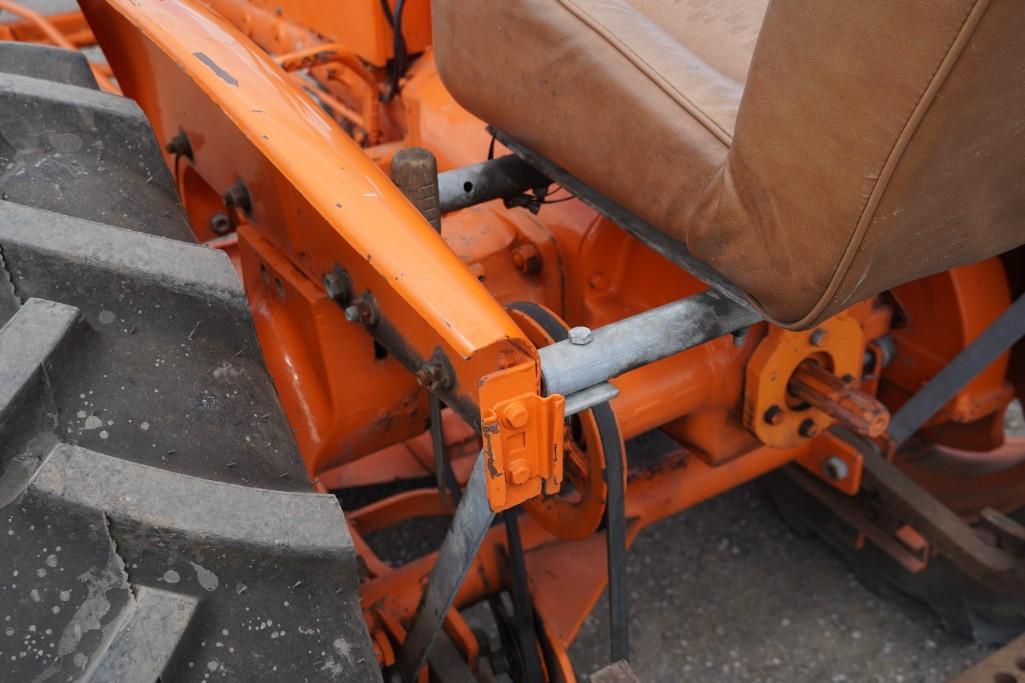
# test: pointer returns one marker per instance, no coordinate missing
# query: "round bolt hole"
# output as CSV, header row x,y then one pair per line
x,y
467,186
280,288
264,274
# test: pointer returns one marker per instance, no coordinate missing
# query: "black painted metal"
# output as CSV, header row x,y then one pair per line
x,y
994,340
506,176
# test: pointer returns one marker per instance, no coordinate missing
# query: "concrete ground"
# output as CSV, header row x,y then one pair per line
x,y
726,592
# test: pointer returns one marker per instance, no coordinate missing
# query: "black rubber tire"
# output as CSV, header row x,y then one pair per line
x,y
156,519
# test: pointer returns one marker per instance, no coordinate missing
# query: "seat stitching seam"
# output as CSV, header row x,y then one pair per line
x,y
900,144
665,86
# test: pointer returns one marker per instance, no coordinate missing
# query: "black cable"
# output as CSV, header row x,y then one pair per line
x,y
523,610
399,55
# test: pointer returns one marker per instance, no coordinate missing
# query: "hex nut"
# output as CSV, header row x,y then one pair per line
x,y
773,415
526,258
580,335
338,285
220,224
808,428
517,473
834,468
515,416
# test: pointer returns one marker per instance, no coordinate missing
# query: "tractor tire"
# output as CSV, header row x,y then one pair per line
x,y
155,517
965,606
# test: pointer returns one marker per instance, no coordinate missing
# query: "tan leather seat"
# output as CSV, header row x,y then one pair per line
x,y
814,153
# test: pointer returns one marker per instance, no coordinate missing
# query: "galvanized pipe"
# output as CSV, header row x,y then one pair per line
x,y
585,360
502,177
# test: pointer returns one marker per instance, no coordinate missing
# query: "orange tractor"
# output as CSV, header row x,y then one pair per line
x,y
443,258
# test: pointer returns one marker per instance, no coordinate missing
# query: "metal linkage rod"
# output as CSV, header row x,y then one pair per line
x,y
986,348
469,525
502,177
589,358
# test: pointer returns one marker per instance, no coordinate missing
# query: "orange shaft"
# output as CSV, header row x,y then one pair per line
x,y
854,409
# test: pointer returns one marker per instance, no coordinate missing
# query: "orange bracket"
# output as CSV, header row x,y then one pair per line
x,y
523,437
777,419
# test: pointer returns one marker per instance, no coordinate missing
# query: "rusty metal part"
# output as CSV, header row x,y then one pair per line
x,y
1006,665
945,530
855,410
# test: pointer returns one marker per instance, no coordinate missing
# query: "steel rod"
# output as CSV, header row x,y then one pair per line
x,y
986,348
502,177
469,525
576,364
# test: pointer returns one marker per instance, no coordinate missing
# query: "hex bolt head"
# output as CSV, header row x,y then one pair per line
x,y
808,428
818,337
180,145
237,197
580,335
526,258
363,310
517,472
338,285
515,416
834,468
774,415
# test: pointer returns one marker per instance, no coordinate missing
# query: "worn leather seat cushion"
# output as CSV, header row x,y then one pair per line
x,y
813,153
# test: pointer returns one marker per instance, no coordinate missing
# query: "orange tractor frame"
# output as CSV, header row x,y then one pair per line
x,y
280,122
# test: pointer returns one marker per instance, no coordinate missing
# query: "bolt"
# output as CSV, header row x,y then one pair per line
x,y
237,197
432,375
179,145
580,335
338,285
515,416
219,224
740,336
517,473
834,468
526,258
363,310
808,428
773,416
818,337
